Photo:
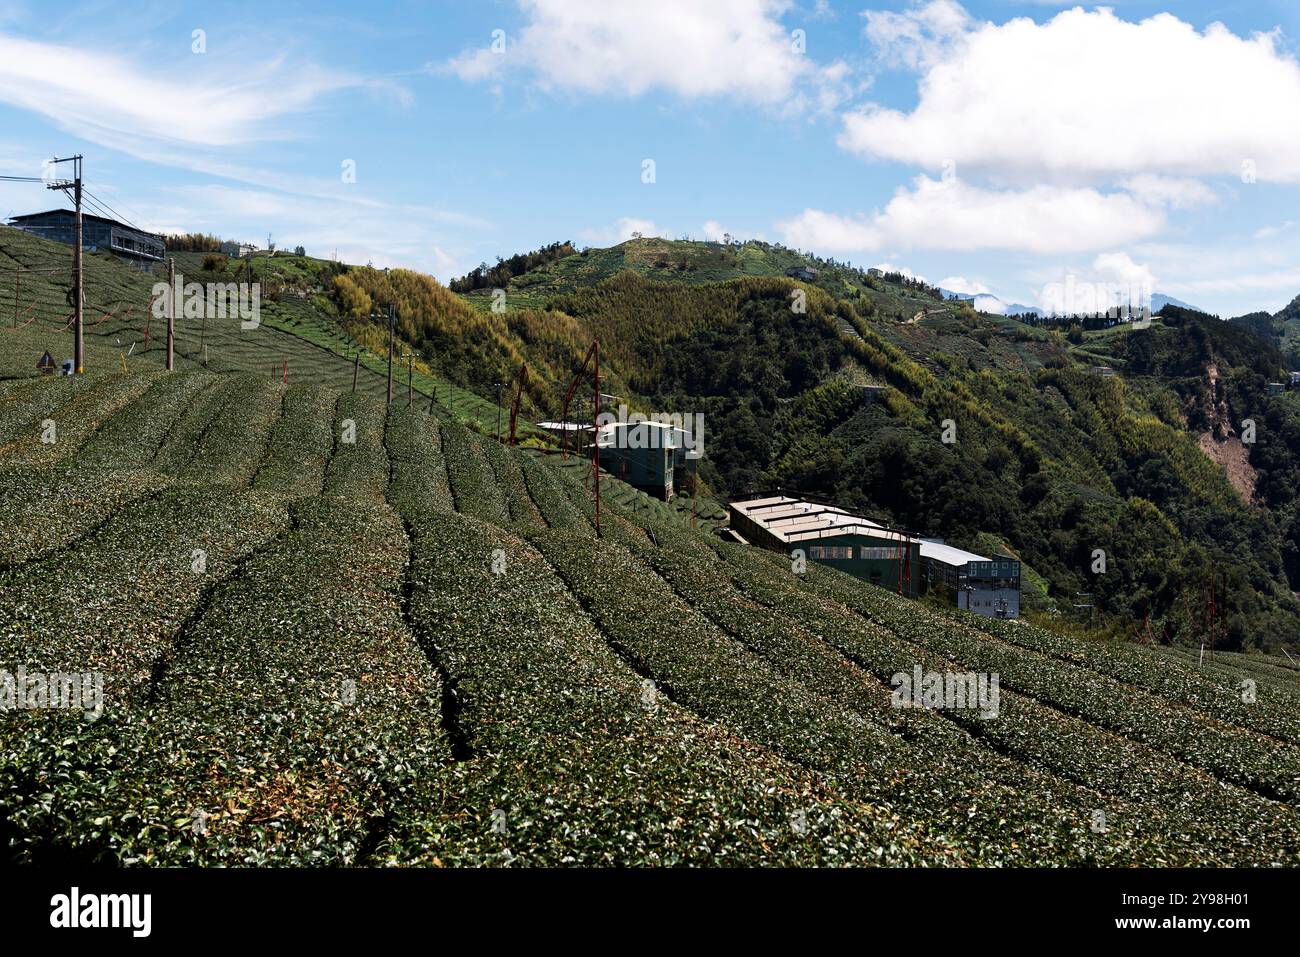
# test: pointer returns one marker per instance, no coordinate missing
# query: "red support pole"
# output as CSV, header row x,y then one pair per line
x,y
286,371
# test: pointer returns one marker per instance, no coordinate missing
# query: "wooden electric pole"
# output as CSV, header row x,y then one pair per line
x,y
78,302
392,316
171,313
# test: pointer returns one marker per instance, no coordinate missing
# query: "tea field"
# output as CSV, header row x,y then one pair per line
x,y
336,634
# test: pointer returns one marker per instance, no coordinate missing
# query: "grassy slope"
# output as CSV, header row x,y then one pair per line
x,y
299,331
407,645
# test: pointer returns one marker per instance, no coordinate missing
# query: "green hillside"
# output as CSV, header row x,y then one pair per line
x,y
1281,328
299,323
1046,456
406,644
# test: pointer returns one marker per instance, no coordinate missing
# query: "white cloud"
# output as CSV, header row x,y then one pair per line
x,y
968,287
954,215
1112,281
714,231
107,98
1285,281
383,234
919,37
1085,96
901,270
621,231
719,48
822,10
445,265
1268,232
823,232
1172,191
1120,267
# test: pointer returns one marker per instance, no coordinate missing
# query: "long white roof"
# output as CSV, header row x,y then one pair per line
x,y
947,554
794,520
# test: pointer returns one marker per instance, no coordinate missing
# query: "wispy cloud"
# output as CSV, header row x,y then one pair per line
x,y
109,99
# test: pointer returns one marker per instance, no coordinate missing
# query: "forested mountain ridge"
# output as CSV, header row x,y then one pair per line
x,y
1052,459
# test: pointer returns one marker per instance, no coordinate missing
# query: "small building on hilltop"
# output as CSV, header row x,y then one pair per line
x,y
831,536
806,273
983,586
1276,388
872,392
238,250
97,234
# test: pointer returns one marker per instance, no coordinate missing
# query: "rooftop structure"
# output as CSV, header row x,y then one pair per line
x,y
831,535
983,586
98,234
649,455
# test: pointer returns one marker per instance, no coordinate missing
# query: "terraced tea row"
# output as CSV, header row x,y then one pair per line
x,y
334,633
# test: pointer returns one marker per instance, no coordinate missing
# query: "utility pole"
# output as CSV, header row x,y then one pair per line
x,y
78,317
392,318
18,278
356,367
171,313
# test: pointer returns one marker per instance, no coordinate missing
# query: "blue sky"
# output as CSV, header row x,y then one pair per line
x,y
987,146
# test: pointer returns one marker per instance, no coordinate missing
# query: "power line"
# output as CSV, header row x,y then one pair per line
x,y
115,214
134,213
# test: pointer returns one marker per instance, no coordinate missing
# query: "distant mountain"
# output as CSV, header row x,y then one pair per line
x,y
989,303
1159,300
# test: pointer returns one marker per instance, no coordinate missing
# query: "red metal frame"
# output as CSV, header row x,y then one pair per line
x,y
514,406
592,357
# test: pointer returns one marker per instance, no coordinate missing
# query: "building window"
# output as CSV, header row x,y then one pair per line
x,y
878,553
831,552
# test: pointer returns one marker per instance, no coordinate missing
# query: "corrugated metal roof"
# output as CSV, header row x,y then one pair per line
x,y
947,554
667,436
795,520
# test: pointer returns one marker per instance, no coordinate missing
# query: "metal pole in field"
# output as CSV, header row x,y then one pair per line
x,y
356,367
78,289
18,278
410,373
171,313
391,320
79,343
